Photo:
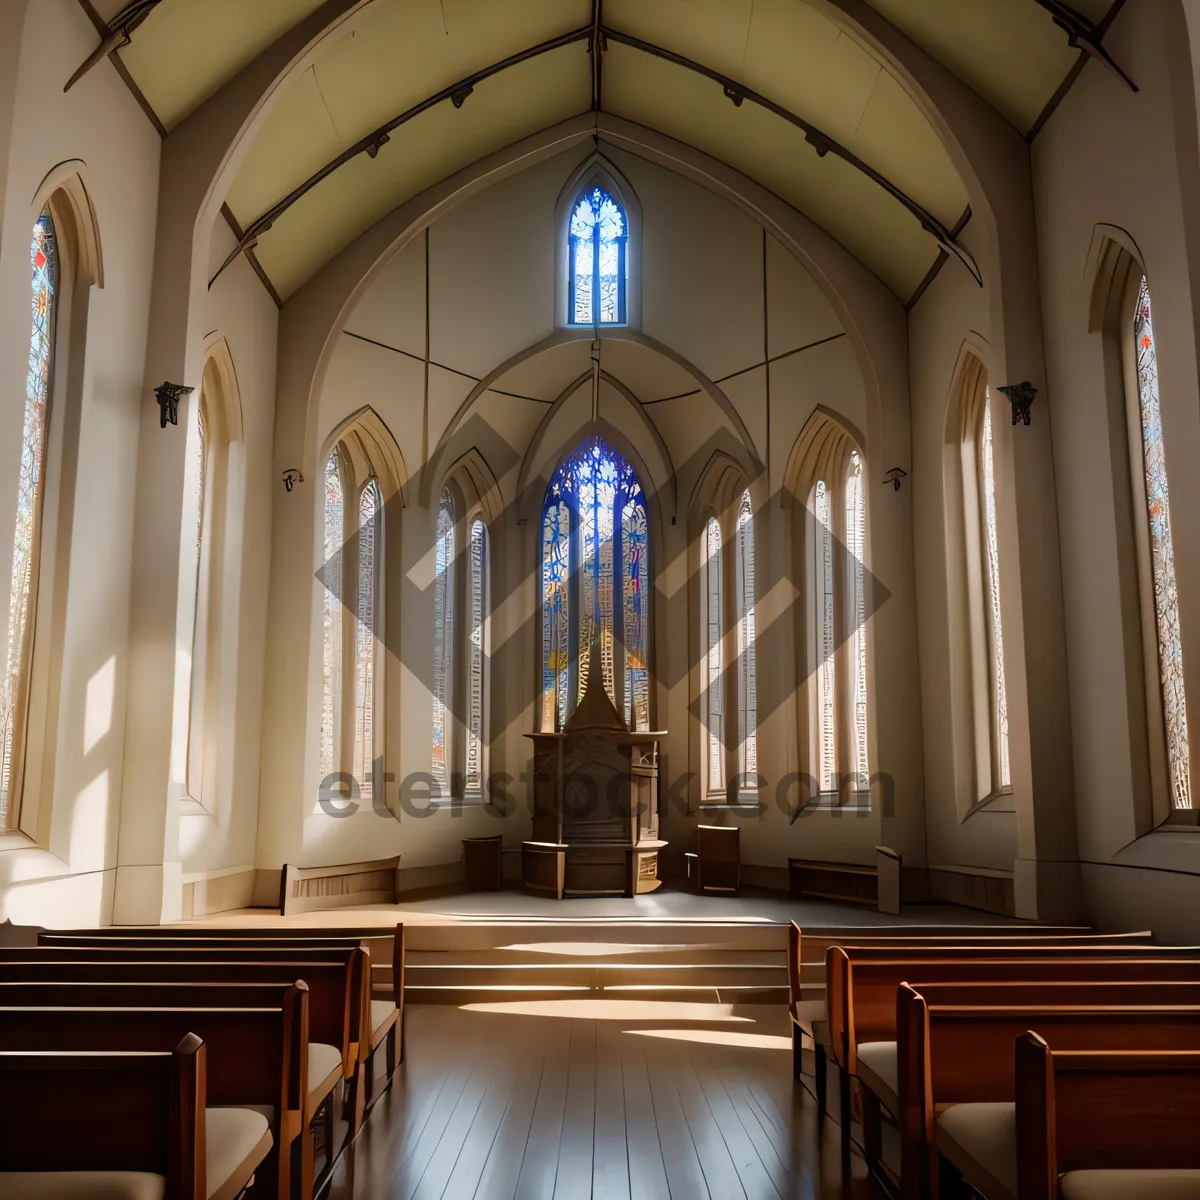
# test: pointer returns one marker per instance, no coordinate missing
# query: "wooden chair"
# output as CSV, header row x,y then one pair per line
x,y
955,1078
1097,1123
718,859
136,1119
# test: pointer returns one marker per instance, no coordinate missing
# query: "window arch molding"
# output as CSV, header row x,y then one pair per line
x,y
207,613
835,709
980,655
65,196
1159,739
723,733
478,559
597,170
367,457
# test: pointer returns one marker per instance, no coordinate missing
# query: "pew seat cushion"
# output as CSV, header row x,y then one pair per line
x,y
1121,1184
236,1142
981,1141
383,1017
324,1071
879,1070
81,1185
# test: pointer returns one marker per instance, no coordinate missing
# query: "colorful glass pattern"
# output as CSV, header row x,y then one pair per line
x,y
370,508
331,619
43,256
747,665
1162,555
711,625
598,237
826,688
992,581
594,532
477,651
443,640
856,534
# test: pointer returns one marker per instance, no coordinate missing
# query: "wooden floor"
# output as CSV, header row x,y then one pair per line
x,y
597,1099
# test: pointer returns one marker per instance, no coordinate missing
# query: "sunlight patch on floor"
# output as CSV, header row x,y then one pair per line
x,y
610,1010
719,1037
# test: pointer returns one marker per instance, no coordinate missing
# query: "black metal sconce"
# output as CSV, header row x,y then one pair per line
x,y
894,475
1021,396
291,477
168,395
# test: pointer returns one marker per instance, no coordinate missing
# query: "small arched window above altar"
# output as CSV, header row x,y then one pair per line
x,y
595,575
598,268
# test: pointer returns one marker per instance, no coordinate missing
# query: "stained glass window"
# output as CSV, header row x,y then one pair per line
x,y
598,237
595,551
43,256
443,639
823,594
711,625
856,531
992,594
1162,554
477,653
747,665
370,507
331,620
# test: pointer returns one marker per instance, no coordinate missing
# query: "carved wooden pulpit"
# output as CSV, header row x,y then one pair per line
x,y
595,802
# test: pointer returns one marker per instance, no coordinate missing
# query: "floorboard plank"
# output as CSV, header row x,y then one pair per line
x,y
610,1164
577,1144
539,1166
647,1172
685,1176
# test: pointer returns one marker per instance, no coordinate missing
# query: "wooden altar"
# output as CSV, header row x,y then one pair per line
x,y
595,803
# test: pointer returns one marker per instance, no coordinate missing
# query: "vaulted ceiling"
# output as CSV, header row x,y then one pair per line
x,y
417,89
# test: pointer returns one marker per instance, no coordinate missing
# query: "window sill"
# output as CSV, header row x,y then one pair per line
x,y
998,802
453,802
1182,820
859,804
193,808
733,805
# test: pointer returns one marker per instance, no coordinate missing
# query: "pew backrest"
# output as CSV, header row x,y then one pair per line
x,y
133,1111
1099,1109
861,983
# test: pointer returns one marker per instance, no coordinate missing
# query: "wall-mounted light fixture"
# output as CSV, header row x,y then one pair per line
x,y
168,395
1021,396
291,477
894,475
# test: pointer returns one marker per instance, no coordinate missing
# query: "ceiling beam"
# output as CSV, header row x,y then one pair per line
x,y
117,33
596,48
374,141
598,34
1083,35
821,142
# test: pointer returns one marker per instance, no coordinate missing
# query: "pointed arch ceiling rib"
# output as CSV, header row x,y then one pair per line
x,y
768,86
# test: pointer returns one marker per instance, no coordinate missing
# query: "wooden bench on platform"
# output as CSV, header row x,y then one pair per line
x,y
343,885
142,1126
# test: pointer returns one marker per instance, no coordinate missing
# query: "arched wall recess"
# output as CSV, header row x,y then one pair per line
x,y
377,449
822,449
478,483
1111,255
539,435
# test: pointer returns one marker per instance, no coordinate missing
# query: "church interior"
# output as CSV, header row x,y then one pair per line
x,y
594,607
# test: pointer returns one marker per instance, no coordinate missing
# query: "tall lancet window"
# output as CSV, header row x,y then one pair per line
x,y
443,640
370,504
856,536
1162,555
595,577
598,236
331,619
823,598
991,564
747,667
710,625
22,604
477,653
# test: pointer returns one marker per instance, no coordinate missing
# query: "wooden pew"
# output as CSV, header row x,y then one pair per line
x,y
963,1057
859,1015
255,1058
1107,1121
372,1022
812,1013
383,1011
140,1114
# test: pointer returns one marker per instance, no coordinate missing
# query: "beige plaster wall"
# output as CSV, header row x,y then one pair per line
x,y
1111,157
62,871
491,264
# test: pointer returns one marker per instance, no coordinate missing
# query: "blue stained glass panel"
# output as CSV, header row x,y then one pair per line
x,y
598,238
